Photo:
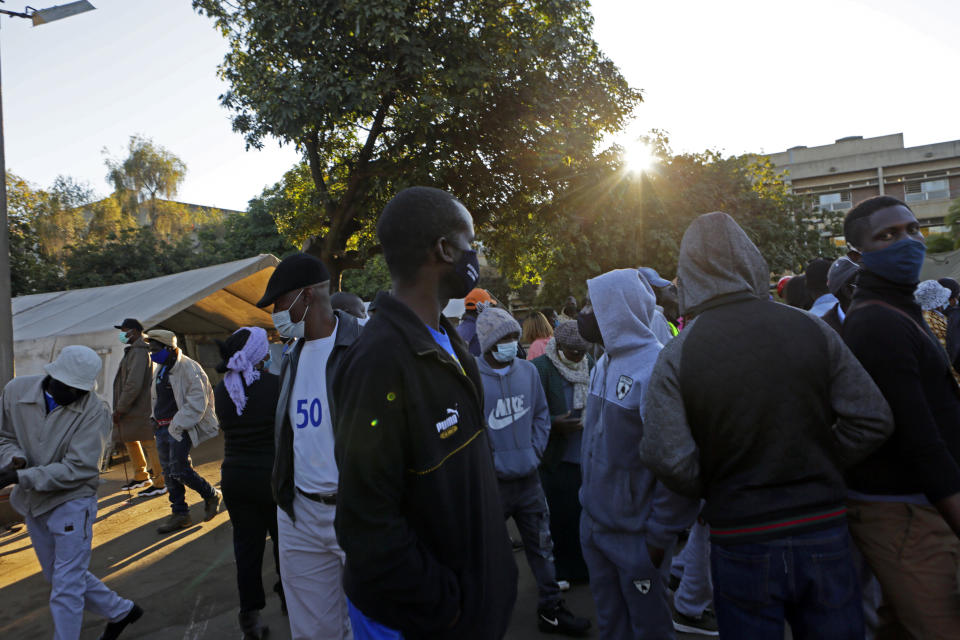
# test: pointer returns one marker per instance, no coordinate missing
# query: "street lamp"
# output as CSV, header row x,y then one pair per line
x,y
38,17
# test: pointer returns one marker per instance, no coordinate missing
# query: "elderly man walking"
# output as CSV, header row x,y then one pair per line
x,y
131,410
183,410
53,434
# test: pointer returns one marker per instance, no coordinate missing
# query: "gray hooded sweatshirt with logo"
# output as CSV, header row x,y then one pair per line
x,y
517,416
619,492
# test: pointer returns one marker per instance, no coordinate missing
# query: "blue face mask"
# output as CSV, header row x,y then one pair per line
x,y
123,337
505,352
900,262
160,356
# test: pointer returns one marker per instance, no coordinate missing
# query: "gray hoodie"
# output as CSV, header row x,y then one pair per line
x,y
618,491
776,398
518,419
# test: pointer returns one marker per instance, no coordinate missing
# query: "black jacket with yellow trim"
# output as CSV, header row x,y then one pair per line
x,y
418,508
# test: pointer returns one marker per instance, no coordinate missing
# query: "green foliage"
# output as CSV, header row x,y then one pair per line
x,y
952,220
148,172
499,103
367,282
31,271
939,243
617,219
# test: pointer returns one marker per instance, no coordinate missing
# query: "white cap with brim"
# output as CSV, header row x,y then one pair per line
x,y
162,336
76,366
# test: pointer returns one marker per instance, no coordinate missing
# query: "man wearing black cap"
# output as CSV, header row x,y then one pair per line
x,y
428,554
840,281
305,473
131,410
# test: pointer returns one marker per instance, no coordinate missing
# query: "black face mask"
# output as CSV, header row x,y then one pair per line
x,y
589,328
63,394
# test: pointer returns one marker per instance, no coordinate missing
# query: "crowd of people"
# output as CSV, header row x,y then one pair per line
x,y
706,458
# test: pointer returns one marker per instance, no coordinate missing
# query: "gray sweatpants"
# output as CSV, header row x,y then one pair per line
x,y
630,593
62,540
523,500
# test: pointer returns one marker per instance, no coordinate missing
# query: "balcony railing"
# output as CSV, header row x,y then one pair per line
x,y
939,194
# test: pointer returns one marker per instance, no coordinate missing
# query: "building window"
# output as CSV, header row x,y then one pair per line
x,y
838,201
927,190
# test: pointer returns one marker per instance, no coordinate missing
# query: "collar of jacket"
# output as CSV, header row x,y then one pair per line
x,y
139,343
871,287
34,395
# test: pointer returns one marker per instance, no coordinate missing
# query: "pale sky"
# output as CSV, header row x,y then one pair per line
x,y
739,76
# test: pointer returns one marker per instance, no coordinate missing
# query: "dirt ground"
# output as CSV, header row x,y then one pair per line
x,y
185,581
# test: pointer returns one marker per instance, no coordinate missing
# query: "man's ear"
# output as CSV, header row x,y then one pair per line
x,y
444,251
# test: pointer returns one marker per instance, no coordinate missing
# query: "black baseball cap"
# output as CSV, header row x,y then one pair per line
x,y
129,323
294,272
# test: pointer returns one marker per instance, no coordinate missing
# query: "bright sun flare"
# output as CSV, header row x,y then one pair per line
x,y
637,157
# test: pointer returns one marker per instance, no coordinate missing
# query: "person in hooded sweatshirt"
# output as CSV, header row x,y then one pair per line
x,y
759,424
518,426
630,520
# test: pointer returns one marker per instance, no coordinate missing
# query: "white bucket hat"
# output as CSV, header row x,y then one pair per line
x,y
162,336
76,366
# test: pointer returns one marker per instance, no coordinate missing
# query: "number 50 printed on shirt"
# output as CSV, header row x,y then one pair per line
x,y
312,414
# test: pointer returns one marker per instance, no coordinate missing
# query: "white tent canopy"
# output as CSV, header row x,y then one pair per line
x,y
198,305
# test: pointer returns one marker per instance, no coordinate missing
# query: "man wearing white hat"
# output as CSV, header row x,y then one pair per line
x,y
53,434
184,416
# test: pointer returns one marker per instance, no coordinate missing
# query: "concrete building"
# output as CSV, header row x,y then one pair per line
x,y
837,176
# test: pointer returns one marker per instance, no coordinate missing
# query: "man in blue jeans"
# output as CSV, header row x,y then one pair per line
x,y
755,407
183,410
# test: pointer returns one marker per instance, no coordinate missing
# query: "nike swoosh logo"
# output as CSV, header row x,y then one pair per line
x,y
501,423
555,622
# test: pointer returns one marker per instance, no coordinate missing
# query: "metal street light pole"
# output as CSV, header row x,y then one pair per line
x,y
38,17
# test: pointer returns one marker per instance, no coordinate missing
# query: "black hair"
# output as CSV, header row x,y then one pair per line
x,y
816,276
230,346
411,223
951,284
854,223
796,294
345,301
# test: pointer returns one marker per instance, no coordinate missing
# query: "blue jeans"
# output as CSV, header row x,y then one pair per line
x,y
178,470
808,580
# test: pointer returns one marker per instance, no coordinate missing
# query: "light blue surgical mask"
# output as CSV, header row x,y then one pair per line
x,y
505,351
122,337
287,327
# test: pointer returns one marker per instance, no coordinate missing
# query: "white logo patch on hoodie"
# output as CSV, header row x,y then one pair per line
x,y
507,411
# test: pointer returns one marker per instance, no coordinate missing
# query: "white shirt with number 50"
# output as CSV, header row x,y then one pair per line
x,y
314,467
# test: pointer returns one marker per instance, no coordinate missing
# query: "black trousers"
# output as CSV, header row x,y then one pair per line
x,y
253,513
561,486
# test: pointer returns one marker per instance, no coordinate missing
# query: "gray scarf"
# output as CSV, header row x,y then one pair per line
x,y
576,373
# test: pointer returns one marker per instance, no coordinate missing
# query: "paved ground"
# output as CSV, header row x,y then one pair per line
x,y
184,581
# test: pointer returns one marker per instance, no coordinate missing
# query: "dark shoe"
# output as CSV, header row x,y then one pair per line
x,y
211,505
278,589
175,522
152,491
114,629
559,619
251,627
705,625
137,484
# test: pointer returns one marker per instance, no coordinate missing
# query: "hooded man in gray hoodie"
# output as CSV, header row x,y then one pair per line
x,y
630,520
755,407
518,427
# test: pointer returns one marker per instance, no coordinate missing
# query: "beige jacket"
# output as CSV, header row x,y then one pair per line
x,y
63,449
195,405
131,393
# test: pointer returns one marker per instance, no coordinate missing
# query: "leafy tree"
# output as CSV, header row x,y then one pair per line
x,y
939,243
243,235
367,282
952,220
147,173
31,270
498,102
57,215
106,219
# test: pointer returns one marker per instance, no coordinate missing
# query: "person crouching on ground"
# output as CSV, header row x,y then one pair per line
x,y
184,416
246,401
518,426
53,434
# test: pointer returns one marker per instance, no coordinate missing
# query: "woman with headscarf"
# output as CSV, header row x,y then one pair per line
x,y
565,373
246,401
933,299
536,333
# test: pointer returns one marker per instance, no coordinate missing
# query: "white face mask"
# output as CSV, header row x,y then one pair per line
x,y
287,327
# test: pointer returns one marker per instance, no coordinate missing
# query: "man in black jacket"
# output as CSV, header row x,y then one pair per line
x,y
419,514
305,472
905,497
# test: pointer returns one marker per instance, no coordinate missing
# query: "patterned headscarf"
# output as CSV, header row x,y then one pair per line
x,y
241,367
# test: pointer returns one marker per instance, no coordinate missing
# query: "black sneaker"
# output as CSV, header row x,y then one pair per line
x,y
705,625
152,491
559,619
114,629
137,484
